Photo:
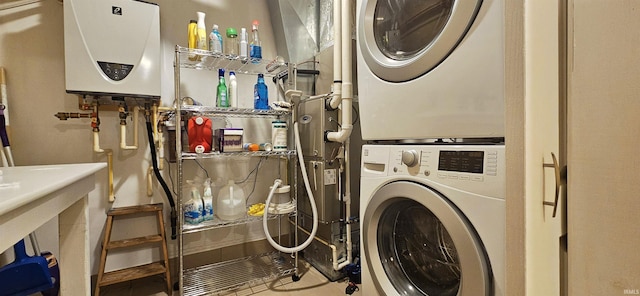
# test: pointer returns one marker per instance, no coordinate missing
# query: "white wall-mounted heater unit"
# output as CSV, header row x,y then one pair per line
x,y
112,48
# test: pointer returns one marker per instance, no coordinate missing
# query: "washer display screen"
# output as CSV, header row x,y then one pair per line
x,y
417,252
461,161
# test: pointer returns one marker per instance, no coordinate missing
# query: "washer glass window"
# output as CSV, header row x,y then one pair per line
x,y
404,28
416,251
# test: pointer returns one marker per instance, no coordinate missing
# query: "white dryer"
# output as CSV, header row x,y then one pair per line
x,y
433,220
430,69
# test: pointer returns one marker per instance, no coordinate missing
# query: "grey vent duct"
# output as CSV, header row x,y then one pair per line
x,y
301,27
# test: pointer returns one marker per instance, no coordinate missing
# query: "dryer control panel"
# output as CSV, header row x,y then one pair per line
x,y
475,168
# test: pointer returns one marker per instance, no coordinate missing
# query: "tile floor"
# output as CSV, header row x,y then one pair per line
x,y
311,283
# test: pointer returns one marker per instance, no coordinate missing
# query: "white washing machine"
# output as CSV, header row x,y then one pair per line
x,y
433,220
434,64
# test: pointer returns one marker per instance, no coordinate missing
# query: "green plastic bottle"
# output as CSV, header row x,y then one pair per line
x,y
222,95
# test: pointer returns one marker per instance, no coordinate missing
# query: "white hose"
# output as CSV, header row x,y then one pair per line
x,y
314,210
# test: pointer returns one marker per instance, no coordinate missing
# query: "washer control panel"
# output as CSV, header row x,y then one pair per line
x,y
475,168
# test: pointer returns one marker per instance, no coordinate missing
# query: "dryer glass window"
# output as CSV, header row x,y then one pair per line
x,y
416,251
402,29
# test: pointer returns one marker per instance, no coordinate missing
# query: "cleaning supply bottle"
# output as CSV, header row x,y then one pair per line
x,y
242,50
192,32
222,99
207,197
201,36
215,40
231,44
255,47
193,208
233,90
231,203
260,94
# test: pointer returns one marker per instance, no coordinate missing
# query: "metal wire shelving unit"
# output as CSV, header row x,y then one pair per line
x,y
227,275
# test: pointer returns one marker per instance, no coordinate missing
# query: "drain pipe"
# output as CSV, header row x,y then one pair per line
x,y
346,125
334,102
347,86
95,124
123,110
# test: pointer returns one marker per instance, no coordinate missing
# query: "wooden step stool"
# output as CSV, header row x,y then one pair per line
x,y
136,272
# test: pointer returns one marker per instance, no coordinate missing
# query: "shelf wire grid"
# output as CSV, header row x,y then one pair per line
x,y
233,274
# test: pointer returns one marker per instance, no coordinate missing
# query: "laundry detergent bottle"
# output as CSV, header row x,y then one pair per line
x,y
193,208
231,203
207,198
200,134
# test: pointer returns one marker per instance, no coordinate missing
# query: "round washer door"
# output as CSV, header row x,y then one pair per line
x,y
416,242
403,41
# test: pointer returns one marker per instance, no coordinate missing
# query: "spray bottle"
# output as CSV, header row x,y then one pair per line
x,y
242,51
201,36
207,198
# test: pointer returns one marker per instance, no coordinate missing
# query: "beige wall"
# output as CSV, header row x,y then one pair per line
x,y
32,51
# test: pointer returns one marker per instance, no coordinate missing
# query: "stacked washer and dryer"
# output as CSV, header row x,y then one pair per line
x,y
431,94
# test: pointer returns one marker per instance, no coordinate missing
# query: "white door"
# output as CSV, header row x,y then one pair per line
x,y
542,138
533,134
604,139
402,40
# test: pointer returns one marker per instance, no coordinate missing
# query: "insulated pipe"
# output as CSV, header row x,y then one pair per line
x,y
347,86
123,128
337,56
95,123
158,136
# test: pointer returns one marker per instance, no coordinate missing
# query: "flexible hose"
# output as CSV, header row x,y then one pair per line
x,y
174,215
314,210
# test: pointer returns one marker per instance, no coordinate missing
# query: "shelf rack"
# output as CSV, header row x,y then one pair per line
x,y
233,274
227,275
207,60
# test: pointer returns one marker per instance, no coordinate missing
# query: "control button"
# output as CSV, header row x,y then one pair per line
x,y
427,173
477,178
492,156
492,173
410,158
442,175
464,177
395,169
453,176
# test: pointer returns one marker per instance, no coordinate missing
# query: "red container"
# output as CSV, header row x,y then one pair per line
x,y
200,134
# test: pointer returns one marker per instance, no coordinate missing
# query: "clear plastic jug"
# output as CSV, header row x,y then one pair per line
x,y
231,204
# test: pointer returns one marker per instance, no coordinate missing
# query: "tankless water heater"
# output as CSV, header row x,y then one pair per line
x,y
112,48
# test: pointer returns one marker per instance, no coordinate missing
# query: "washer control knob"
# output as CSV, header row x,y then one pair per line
x,y
410,158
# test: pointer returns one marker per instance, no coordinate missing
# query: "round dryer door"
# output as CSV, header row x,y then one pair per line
x,y
403,40
416,242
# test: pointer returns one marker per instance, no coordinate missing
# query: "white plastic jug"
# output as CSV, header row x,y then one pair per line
x,y
231,203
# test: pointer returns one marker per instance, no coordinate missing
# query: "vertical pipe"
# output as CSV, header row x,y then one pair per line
x,y
95,124
337,56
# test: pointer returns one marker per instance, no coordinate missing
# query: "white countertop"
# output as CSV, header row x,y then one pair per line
x,y
24,184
